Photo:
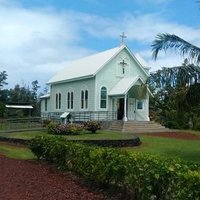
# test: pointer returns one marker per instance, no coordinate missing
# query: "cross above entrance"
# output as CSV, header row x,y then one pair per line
x,y
123,63
123,36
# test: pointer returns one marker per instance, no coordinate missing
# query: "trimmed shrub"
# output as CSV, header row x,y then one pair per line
x,y
142,176
92,126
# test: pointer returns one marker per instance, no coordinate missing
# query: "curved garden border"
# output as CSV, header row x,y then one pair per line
x,y
104,143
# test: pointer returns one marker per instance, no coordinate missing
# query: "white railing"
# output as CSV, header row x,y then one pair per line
x,y
83,116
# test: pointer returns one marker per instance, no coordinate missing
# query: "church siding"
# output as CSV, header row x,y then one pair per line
x,y
109,75
122,65
76,87
47,106
107,78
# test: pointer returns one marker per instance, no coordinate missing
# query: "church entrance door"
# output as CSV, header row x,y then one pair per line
x,y
120,109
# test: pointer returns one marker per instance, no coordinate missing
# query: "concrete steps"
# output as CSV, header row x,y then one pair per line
x,y
138,127
116,125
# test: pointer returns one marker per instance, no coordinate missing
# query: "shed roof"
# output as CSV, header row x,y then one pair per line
x,y
45,96
20,106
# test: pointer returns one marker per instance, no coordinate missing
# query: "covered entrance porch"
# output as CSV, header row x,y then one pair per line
x,y
130,100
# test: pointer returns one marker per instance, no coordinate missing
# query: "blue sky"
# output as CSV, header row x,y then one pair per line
x,y
38,38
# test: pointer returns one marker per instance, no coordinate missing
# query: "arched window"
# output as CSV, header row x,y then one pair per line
x,y
45,105
58,100
103,99
84,99
70,100
59,103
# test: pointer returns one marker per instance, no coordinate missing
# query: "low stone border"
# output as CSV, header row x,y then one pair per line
x,y
104,143
14,140
112,143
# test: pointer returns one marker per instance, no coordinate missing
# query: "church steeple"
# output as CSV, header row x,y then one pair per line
x,y
123,36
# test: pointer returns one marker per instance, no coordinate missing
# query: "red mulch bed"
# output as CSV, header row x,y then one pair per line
x,y
33,180
175,135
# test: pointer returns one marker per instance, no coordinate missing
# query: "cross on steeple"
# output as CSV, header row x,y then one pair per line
x,y
123,63
123,36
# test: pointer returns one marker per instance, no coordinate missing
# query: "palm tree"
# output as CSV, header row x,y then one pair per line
x,y
165,41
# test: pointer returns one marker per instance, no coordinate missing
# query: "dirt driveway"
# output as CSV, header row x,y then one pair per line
x,y
32,180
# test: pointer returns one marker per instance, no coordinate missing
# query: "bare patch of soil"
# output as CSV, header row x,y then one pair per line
x,y
31,180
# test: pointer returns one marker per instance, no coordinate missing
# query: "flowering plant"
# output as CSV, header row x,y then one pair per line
x,y
92,126
64,129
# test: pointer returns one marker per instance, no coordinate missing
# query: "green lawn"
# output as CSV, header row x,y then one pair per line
x,y
16,152
23,135
187,150
85,135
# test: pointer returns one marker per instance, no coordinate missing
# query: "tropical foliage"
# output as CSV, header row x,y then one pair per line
x,y
176,101
165,41
176,89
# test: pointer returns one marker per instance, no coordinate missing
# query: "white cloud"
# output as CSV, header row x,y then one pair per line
x,y
142,28
32,39
168,59
35,43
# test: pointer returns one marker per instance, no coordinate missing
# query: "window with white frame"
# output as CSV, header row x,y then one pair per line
x,y
103,97
84,99
45,105
140,105
70,100
58,100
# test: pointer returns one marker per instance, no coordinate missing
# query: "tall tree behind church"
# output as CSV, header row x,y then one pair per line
x,y
172,95
3,78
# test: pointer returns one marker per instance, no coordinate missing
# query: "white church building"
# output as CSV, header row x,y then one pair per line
x,y
109,85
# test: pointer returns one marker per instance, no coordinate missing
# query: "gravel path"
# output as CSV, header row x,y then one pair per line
x,y
33,180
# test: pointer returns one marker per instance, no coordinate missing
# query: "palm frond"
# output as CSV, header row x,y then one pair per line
x,y
167,41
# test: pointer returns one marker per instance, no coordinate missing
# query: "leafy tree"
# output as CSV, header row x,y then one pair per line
x,y
20,95
174,92
35,88
36,102
180,85
23,95
3,77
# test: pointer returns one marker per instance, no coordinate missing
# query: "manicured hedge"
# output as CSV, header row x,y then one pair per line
x,y
144,177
